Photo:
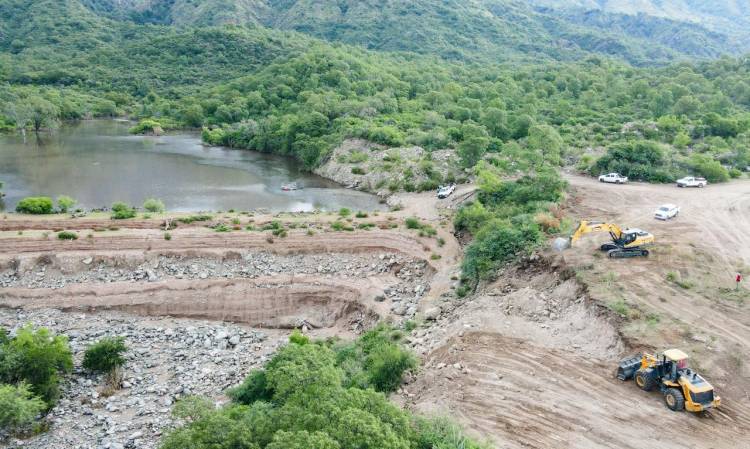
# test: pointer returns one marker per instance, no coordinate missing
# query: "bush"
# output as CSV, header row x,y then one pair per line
x,y
358,171
154,206
105,355
122,211
305,398
195,218
67,235
65,203
496,243
167,236
344,212
37,205
36,358
147,126
18,407
412,223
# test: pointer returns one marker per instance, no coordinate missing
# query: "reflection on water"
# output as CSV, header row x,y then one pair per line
x,y
98,162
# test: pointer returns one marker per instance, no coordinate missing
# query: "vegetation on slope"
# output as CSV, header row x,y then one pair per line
x,y
317,395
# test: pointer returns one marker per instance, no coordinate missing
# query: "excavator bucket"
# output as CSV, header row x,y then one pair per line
x,y
561,244
628,367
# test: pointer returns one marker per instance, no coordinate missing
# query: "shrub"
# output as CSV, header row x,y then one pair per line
x,y
412,223
194,218
357,157
154,205
147,126
167,236
122,211
36,358
344,212
222,227
37,205
361,214
65,203
340,226
735,173
105,355
547,222
358,171
496,243
67,235
18,407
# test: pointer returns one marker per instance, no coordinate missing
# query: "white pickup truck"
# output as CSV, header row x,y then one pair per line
x,y
692,182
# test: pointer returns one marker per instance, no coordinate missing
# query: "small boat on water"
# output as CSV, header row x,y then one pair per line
x,y
290,187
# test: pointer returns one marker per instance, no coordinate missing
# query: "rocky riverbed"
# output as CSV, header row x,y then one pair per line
x,y
167,359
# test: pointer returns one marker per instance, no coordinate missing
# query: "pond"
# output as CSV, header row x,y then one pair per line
x,y
98,162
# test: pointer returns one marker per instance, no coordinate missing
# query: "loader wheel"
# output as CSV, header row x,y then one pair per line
x,y
675,400
644,253
645,380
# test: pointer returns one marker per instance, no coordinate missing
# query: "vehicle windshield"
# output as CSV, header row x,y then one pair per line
x,y
664,209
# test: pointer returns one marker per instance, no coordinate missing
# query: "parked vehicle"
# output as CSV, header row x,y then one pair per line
x,y
446,191
691,181
290,187
666,211
613,178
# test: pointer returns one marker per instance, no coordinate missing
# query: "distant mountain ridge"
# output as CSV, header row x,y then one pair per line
x,y
494,30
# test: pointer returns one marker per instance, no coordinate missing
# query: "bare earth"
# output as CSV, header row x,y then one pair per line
x,y
528,362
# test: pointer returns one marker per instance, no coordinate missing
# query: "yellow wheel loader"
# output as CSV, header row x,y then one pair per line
x,y
683,388
625,243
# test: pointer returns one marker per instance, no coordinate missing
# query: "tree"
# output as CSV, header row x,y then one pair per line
x,y
43,113
547,140
154,205
37,205
65,203
472,149
122,211
37,358
302,440
18,407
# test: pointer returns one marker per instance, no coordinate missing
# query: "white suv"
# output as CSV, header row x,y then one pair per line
x,y
666,211
614,178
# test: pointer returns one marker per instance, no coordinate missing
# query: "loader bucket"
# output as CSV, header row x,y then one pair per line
x,y
627,368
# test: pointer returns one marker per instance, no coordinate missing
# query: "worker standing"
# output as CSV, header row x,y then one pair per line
x,y
738,280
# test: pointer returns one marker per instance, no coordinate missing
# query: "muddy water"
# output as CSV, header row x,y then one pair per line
x,y
98,162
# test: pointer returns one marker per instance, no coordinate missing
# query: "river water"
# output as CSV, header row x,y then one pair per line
x,y
98,162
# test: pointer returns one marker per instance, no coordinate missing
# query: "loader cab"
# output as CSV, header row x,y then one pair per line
x,y
674,363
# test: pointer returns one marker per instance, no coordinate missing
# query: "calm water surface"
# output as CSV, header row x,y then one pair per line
x,y
98,162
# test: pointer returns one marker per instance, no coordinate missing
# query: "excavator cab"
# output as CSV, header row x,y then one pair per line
x,y
683,388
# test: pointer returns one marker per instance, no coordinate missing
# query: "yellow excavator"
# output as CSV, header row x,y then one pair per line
x,y
625,243
683,388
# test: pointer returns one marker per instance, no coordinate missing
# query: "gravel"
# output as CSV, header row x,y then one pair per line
x,y
167,359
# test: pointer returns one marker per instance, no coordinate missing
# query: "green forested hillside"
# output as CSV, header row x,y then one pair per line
x,y
479,30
